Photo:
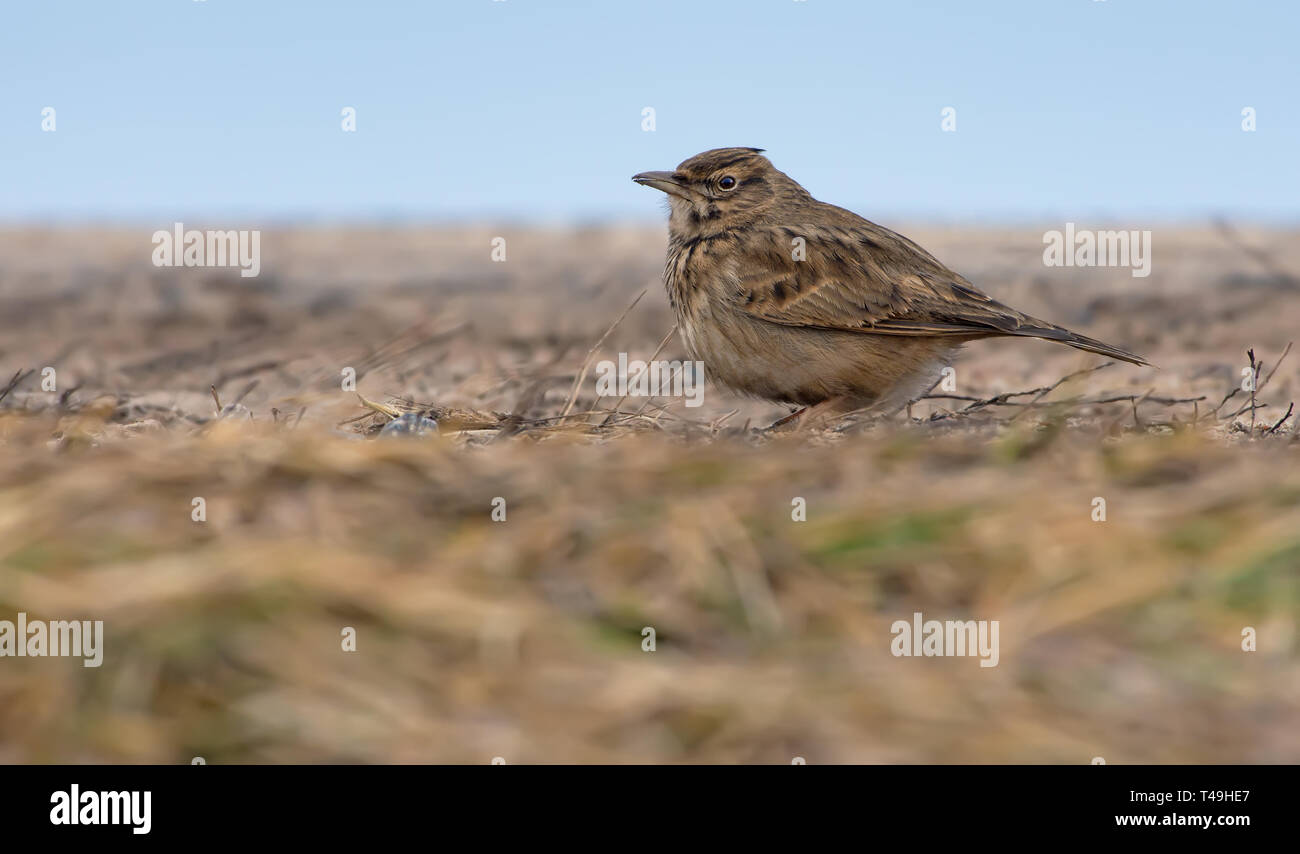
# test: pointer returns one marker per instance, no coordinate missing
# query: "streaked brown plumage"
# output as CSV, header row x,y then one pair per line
x,y
866,317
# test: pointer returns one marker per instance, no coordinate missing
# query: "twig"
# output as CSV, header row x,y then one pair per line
x,y
716,423
927,396
1281,420
1145,398
945,397
1278,365
1000,400
586,363
1229,396
1137,422
247,390
1254,384
658,350
382,408
1250,406
66,395
1064,379
18,377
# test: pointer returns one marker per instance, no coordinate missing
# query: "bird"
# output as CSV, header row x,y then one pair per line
x,y
789,299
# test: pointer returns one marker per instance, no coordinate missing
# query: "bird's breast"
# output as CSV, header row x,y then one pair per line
x,y
696,277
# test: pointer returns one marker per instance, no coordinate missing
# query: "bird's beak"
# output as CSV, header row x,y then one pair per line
x,y
662,181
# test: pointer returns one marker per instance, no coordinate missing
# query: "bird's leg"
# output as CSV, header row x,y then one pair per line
x,y
780,422
807,416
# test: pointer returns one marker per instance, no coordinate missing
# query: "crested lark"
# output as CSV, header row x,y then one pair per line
x,y
793,300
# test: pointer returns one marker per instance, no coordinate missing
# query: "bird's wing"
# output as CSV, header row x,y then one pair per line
x,y
860,277
864,280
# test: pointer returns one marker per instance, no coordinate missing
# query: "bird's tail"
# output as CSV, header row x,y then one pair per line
x,y
1052,332
1092,345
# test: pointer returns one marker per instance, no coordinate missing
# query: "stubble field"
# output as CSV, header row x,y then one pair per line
x,y
524,638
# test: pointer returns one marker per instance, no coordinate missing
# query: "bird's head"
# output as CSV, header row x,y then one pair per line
x,y
718,190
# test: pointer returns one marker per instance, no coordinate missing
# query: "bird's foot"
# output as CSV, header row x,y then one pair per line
x,y
789,419
806,417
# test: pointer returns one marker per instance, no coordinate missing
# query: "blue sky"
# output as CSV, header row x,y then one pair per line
x,y
532,109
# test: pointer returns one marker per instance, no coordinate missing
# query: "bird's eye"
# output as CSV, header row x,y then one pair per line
x,y
727,183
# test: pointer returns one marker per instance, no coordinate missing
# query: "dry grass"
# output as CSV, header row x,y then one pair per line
x,y
523,638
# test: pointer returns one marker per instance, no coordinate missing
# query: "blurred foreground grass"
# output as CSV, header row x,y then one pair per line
x,y
523,638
